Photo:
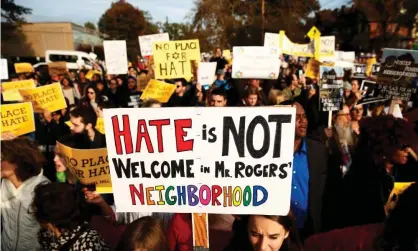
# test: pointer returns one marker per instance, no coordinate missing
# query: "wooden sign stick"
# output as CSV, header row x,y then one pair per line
x,y
200,232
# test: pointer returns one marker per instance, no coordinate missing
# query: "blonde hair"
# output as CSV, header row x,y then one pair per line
x,y
145,233
275,97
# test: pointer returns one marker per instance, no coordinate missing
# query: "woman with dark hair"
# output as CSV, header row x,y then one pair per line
x,y
265,233
383,146
145,233
21,172
58,208
92,98
70,91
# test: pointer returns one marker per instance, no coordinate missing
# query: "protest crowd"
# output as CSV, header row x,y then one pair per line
x,y
353,153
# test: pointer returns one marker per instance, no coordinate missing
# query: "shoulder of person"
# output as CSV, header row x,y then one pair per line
x,y
315,144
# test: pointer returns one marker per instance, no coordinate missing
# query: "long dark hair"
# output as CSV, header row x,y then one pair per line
x,y
401,232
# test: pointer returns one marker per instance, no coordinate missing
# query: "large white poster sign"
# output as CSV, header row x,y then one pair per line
x,y
256,62
201,160
115,56
206,73
145,42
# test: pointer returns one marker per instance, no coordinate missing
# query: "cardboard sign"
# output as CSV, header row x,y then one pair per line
x,y
100,125
330,88
369,93
172,59
256,62
57,68
145,42
158,90
11,89
115,56
206,73
48,97
4,69
201,160
17,118
398,76
360,71
312,70
23,67
89,166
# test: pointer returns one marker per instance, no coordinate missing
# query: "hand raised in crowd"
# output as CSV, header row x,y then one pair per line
x,y
7,136
328,132
92,197
47,115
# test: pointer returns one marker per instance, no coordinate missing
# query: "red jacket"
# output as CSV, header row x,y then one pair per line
x,y
180,236
352,238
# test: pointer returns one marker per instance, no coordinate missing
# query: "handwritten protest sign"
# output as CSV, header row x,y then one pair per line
x,y
398,76
206,73
173,58
17,118
116,57
360,71
11,89
330,88
158,90
203,160
4,69
327,46
57,68
89,166
145,42
23,67
256,62
368,93
48,97
100,125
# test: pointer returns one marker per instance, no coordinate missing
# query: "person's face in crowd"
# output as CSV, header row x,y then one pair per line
x,y
357,113
91,94
347,93
400,156
295,81
220,77
251,100
82,76
355,85
72,75
179,88
95,78
100,86
343,117
77,125
65,82
218,52
156,105
217,101
59,163
120,81
113,84
132,84
8,169
255,83
301,122
265,234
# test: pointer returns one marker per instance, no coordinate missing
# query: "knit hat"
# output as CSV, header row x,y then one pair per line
x,y
347,86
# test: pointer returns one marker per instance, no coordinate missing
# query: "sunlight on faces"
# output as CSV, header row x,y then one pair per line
x,y
265,234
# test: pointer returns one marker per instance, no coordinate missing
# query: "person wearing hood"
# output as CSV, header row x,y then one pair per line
x,y
21,172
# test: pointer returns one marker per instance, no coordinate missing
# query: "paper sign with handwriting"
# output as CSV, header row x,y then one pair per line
x,y
172,59
256,62
145,42
204,160
206,73
89,166
23,67
47,97
158,90
115,56
17,118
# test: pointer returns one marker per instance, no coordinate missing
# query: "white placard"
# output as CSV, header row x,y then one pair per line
x,y
344,56
201,160
4,69
206,73
327,46
256,62
92,55
271,39
145,42
115,56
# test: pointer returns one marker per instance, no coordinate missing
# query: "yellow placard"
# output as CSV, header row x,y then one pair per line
x,y
48,97
313,32
370,63
227,54
23,67
90,74
172,58
17,118
89,166
398,189
100,125
158,90
11,89
312,70
104,189
68,123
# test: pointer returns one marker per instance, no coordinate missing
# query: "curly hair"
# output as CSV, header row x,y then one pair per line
x,y
58,204
23,153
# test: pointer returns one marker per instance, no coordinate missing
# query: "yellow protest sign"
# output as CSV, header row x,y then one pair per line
x,y
23,67
158,90
172,58
227,54
89,166
100,125
313,32
17,118
11,89
90,74
398,189
370,63
312,70
48,97
104,189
